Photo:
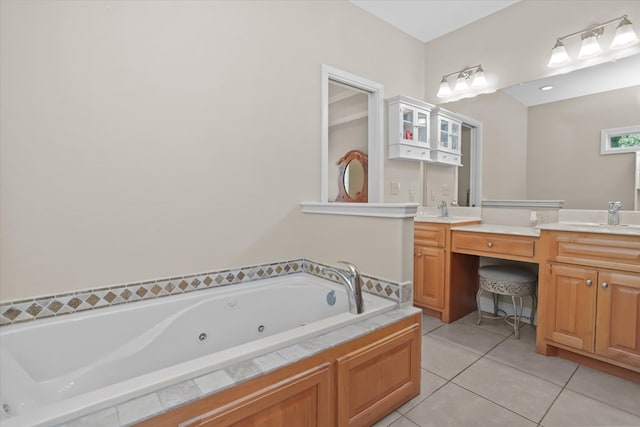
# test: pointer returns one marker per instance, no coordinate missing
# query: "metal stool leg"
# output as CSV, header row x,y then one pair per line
x,y
478,303
516,316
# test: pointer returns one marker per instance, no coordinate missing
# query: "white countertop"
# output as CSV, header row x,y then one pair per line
x,y
515,230
448,219
628,230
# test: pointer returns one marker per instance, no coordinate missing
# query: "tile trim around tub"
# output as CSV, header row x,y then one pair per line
x,y
23,310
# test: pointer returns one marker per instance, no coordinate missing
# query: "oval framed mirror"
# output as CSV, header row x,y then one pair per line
x,y
353,177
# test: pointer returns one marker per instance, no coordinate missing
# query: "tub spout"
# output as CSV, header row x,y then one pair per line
x,y
352,283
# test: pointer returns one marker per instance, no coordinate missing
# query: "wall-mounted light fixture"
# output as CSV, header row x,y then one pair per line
x,y
624,37
475,73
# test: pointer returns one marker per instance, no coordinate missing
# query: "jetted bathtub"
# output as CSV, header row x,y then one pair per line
x,y
57,369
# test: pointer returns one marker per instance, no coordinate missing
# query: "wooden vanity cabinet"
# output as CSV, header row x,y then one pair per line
x,y
437,289
353,384
590,297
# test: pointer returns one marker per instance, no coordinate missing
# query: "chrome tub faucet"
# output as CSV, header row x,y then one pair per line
x,y
613,217
352,283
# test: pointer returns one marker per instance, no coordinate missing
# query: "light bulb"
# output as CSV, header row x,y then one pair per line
x,y
590,46
444,90
479,80
461,83
559,55
625,36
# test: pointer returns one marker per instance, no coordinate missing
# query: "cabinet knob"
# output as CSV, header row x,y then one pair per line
x,y
490,244
588,282
418,254
605,285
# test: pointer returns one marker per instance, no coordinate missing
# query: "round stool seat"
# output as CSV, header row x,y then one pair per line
x,y
507,280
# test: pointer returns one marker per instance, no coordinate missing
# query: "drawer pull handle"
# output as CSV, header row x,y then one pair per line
x,y
419,254
588,282
605,285
490,244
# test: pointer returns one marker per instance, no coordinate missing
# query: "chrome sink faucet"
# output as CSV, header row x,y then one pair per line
x,y
444,212
352,283
613,217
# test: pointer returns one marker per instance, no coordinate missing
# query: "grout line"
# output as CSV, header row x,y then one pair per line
x,y
561,390
407,419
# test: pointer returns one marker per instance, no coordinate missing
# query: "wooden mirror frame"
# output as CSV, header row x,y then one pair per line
x,y
362,195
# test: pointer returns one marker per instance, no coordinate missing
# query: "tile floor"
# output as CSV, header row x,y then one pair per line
x,y
482,376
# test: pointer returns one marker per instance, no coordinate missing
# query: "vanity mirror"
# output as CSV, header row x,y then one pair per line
x,y
561,128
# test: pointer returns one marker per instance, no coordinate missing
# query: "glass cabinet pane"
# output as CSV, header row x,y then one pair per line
x,y
444,139
444,126
454,142
422,127
407,123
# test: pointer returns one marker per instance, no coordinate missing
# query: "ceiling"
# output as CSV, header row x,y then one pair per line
x,y
429,19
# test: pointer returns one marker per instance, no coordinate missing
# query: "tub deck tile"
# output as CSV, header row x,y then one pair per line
x,y
243,370
293,353
140,408
179,394
270,361
105,418
214,381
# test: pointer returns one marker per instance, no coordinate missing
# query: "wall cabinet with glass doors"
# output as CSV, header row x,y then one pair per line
x,y
409,128
446,133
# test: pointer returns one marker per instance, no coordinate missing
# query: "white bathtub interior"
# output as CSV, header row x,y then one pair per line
x,y
93,359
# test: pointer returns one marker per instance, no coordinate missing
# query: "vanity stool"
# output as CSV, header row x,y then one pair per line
x,y
511,280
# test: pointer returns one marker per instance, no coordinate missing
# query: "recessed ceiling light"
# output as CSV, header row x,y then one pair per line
x,y
547,87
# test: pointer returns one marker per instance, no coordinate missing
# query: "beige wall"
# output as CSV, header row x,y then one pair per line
x,y
514,46
564,160
149,139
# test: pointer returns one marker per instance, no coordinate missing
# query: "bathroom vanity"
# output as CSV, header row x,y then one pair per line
x,y
588,283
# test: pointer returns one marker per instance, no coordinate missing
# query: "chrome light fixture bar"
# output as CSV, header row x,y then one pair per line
x,y
475,73
625,36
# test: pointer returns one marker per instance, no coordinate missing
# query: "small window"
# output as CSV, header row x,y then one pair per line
x,y
620,140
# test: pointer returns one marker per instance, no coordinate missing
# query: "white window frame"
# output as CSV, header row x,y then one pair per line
x,y
607,134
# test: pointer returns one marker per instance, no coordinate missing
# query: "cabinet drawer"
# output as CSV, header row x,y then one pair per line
x,y
404,151
494,245
446,157
598,250
428,234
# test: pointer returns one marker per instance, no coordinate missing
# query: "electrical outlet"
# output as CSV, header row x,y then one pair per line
x,y
445,190
433,195
412,195
395,188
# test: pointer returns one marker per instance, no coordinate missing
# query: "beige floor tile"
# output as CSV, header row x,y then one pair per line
x,y
403,422
445,359
574,409
428,384
520,354
607,388
522,393
497,326
429,323
386,421
471,338
454,406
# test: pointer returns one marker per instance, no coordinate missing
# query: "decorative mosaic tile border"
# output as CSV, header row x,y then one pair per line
x,y
12,312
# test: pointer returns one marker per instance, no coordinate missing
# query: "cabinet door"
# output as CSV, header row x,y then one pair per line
x,y
618,317
378,378
571,306
428,277
445,129
455,136
301,400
